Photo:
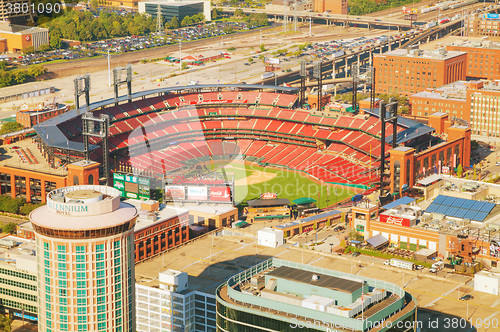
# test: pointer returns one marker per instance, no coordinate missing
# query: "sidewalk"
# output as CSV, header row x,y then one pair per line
x,y
17,326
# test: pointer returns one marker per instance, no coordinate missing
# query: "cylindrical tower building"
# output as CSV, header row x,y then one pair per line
x,y
85,256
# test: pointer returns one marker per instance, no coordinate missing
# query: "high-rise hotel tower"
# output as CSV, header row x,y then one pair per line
x,y
85,242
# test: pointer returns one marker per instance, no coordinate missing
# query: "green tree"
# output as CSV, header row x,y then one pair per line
x,y
43,48
184,65
94,4
35,71
250,60
10,228
238,12
55,40
28,207
262,48
20,75
3,65
215,14
404,110
460,170
5,323
174,23
28,50
10,127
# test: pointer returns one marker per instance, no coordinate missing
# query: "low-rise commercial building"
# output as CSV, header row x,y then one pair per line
x,y
18,37
18,278
179,9
474,102
331,6
29,118
172,303
483,25
411,71
278,294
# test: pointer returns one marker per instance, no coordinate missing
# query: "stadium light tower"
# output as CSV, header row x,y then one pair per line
x,y
82,86
391,108
355,80
317,73
117,81
303,75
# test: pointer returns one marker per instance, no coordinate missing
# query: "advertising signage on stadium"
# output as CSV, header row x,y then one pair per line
x,y
131,186
494,249
175,192
268,195
210,102
197,193
220,194
395,220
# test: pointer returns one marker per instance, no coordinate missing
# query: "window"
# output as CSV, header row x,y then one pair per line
x,y
61,248
81,284
82,328
81,292
80,267
82,302
91,179
360,228
82,310
80,275
76,180
99,257
80,249
99,265
100,274
101,308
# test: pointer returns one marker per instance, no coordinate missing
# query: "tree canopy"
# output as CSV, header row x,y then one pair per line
x,y
10,127
83,26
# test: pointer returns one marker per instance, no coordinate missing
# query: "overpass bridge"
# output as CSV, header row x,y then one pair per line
x,y
329,19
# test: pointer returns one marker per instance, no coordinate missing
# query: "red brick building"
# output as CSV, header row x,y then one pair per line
x,y
411,71
483,58
156,237
29,118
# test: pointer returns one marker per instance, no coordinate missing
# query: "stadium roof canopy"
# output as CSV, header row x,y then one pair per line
x,y
54,137
461,208
414,129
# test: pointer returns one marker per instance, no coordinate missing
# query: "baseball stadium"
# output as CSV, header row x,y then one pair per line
x,y
258,137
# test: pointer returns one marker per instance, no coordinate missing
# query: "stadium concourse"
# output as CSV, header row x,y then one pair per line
x,y
166,130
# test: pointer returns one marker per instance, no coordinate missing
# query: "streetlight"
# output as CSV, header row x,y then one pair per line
x,y
331,248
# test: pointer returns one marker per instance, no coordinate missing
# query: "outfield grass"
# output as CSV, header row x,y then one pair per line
x,y
287,184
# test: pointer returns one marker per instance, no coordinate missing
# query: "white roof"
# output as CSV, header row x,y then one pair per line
x,y
316,299
270,230
45,218
430,179
425,252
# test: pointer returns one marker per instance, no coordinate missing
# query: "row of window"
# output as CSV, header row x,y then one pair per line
x,y
18,274
17,294
20,306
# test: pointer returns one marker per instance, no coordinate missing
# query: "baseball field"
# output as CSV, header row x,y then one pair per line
x,y
251,180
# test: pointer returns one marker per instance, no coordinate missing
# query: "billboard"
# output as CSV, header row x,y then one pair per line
x,y
197,193
268,195
132,186
494,249
395,220
175,192
220,194
273,61
211,102
491,16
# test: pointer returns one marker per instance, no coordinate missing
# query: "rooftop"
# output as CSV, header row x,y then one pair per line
x,y
148,218
439,54
83,207
320,280
453,91
20,254
487,44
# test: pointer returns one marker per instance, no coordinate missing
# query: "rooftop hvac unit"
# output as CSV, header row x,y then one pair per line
x,y
463,222
438,216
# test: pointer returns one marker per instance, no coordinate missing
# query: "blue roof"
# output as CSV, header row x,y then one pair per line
x,y
402,200
461,207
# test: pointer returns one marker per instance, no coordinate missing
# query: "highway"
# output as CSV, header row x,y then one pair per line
x,y
367,20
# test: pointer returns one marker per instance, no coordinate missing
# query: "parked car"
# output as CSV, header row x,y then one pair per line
x,y
356,254
466,297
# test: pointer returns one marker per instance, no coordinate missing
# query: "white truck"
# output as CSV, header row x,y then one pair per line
x,y
267,75
400,263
